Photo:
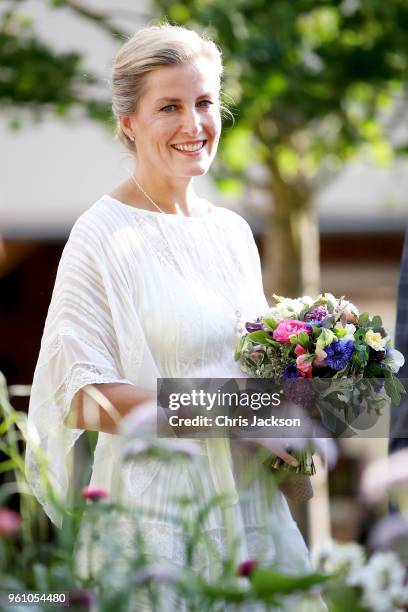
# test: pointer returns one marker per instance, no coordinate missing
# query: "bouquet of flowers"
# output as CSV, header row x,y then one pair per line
x,y
346,357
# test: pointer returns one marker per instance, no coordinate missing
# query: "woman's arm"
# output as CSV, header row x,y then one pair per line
x,y
101,407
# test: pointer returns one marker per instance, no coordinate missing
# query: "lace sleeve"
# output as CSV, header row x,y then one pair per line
x,y
80,346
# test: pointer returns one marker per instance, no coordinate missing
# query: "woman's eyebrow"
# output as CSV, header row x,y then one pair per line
x,y
167,99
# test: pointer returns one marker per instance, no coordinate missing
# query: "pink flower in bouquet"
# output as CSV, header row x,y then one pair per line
x,y
247,567
10,522
94,493
285,329
304,366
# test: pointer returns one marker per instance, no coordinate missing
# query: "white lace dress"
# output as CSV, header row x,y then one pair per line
x,y
141,295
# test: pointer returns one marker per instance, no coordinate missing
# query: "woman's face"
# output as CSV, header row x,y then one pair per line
x,y
177,125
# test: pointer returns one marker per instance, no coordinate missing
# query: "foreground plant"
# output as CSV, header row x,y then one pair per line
x,y
377,584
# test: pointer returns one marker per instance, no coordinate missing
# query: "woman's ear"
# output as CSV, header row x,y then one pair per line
x,y
126,126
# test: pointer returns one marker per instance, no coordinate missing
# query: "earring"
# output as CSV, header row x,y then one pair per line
x,y
131,138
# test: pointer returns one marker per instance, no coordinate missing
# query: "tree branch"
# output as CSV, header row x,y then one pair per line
x,y
101,19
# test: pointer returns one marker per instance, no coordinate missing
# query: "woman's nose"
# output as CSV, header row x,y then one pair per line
x,y
191,123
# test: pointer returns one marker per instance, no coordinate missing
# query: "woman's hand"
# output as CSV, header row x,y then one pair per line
x,y
276,446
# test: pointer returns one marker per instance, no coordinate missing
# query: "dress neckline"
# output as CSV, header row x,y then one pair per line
x,y
144,211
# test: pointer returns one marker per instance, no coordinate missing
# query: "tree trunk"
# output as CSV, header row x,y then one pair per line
x,y
291,245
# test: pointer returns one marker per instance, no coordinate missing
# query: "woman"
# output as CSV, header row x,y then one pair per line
x,y
153,283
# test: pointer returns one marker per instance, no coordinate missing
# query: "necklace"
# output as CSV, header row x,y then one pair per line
x,y
147,195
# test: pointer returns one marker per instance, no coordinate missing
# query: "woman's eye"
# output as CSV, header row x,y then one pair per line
x,y
205,103
168,108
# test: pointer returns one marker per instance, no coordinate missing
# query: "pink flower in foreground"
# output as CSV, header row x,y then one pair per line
x,y
286,328
85,598
247,567
10,522
304,366
94,493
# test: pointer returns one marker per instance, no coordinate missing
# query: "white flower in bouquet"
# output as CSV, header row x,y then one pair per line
x,y
288,308
394,360
375,340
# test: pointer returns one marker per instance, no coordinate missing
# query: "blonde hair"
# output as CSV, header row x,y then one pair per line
x,y
148,49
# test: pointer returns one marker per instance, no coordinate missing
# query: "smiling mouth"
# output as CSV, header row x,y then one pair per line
x,y
190,147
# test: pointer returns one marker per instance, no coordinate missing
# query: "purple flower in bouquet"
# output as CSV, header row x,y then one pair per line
x,y
339,353
251,327
316,315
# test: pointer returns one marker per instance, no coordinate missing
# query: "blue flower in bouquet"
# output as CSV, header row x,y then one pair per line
x,y
316,315
291,371
339,353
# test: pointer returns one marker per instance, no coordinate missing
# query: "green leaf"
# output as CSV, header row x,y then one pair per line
x,y
392,391
376,323
359,335
270,323
258,337
267,581
41,577
317,330
238,350
303,340
399,385
272,342
364,319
